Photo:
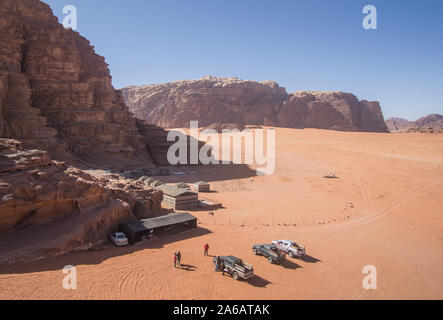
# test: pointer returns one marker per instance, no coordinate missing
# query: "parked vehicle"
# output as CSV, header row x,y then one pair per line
x,y
269,251
119,239
293,249
235,267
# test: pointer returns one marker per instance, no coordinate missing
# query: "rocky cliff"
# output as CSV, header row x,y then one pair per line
x,y
58,113
220,100
432,123
56,93
50,208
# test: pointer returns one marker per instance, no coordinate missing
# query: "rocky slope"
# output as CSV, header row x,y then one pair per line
x,y
219,100
36,191
56,93
49,208
432,123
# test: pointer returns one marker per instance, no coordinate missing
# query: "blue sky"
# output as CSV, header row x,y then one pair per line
x,y
300,44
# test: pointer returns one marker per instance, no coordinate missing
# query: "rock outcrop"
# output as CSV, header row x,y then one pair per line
x,y
432,123
219,100
49,208
56,93
398,124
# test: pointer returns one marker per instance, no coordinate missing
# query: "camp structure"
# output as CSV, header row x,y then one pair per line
x,y
176,221
141,230
135,231
202,186
183,185
178,198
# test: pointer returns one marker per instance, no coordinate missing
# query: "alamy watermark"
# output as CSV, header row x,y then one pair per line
x,y
70,281
370,20
70,17
217,148
370,280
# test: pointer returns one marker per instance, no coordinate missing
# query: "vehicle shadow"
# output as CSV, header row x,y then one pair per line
x,y
258,281
288,264
310,259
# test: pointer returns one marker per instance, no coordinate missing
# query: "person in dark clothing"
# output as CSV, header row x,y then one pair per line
x,y
217,263
179,257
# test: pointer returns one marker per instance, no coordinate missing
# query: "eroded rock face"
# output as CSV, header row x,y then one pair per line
x,y
219,100
56,97
56,93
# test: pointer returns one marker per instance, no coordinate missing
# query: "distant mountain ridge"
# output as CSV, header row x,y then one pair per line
x,y
432,123
213,100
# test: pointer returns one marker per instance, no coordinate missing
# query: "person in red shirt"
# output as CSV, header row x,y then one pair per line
x,y
206,248
175,260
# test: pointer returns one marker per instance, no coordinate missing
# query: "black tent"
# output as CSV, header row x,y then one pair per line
x,y
176,220
135,231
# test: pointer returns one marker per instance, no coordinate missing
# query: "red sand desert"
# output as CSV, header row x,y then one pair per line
x,y
385,209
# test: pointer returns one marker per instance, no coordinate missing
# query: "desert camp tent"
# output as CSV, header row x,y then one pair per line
x,y
176,220
139,230
135,231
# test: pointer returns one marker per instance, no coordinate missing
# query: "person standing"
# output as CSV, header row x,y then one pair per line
x,y
179,257
217,263
206,248
175,260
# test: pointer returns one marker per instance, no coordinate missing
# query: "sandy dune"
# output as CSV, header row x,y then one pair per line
x,y
385,209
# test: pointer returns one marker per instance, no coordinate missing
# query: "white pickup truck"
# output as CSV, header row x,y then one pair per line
x,y
293,249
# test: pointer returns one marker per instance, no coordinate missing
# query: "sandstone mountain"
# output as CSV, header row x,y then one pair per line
x,y
60,115
56,93
230,100
432,123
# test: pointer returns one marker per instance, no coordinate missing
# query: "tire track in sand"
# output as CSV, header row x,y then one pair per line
x,y
409,195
